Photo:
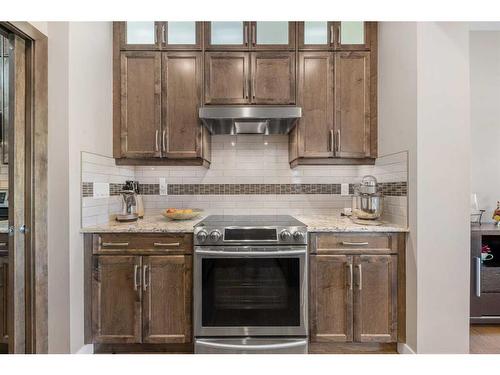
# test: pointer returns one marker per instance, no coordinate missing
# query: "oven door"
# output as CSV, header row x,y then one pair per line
x,y
250,291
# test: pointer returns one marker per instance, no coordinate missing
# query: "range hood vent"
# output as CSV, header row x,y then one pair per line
x,y
249,119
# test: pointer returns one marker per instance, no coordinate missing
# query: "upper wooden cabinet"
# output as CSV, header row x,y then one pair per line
x,y
325,35
241,35
150,35
250,78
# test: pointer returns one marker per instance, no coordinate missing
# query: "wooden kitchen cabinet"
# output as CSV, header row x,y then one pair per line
x,y
273,77
140,101
357,291
226,77
116,299
167,303
331,298
4,278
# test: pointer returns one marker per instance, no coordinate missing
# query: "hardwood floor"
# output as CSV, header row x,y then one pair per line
x,y
484,339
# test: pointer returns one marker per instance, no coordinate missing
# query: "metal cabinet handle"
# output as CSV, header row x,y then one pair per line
x,y
145,280
332,141
115,244
254,38
156,141
348,243
338,141
332,37
163,141
360,284
156,34
136,284
253,87
2,244
164,34
350,276
245,35
171,244
478,276
338,35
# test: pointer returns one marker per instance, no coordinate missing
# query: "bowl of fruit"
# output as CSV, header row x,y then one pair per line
x,y
181,213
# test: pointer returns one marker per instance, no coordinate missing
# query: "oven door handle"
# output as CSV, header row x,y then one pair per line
x,y
251,253
252,347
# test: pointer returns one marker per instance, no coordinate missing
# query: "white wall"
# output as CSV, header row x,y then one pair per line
x,y
443,187
485,118
397,111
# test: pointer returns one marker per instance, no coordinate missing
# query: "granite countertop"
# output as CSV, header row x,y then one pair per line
x,y
4,226
315,223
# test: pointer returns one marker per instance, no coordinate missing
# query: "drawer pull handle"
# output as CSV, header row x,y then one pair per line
x,y
2,244
348,243
115,244
172,244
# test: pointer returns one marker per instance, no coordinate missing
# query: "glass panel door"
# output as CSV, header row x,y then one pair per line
x,y
140,33
271,32
316,33
250,292
181,33
351,35
226,33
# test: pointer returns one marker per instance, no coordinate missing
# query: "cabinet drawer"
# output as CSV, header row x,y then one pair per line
x,y
353,243
144,243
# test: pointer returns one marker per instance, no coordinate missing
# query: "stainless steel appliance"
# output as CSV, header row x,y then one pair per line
x,y
250,285
129,204
367,201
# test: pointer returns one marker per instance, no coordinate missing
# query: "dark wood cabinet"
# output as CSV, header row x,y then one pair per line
x,y
116,299
181,98
4,278
375,298
167,303
331,298
352,105
273,77
140,100
356,290
226,77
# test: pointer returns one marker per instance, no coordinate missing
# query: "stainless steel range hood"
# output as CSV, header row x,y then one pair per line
x,y
250,119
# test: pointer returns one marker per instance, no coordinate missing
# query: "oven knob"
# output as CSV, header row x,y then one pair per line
x,y
298,236
214,235
202,235
285,235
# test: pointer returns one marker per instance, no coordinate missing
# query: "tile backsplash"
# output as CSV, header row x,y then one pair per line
x,y
248,175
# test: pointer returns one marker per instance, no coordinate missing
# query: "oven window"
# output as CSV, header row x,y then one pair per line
x,y
250,292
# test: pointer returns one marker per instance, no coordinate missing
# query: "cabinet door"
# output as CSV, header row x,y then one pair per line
x,y
315,96
273,77
352,104
140,104
143,35
181,35
167,299
181,98
330,304
116,299
226,35
272,35
226,77
352,35
4,277
316,35
375,298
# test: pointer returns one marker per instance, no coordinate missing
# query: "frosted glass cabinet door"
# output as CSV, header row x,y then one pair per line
x,y
275,34
352,35
140,35
182,34
316,35
226,34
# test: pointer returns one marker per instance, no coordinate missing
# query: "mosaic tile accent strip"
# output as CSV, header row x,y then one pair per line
x,y
388,189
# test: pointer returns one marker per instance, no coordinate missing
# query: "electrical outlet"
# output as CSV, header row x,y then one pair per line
x,y
101,190
344,189
163,186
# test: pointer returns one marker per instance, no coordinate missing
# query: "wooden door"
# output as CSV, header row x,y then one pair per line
x,y
272,35
226,77
140,104
273,77
116,299
315,35
375,298
4,278
181,98
227,35
316,97
352,104
330,303
142,35
167,299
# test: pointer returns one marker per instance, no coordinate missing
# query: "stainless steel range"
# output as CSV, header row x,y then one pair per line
x,y
250,285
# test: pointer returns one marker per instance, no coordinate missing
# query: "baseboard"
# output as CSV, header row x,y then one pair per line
x,y
403,348
86,349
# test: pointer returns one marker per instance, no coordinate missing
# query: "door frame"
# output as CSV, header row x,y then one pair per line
x,y
34,273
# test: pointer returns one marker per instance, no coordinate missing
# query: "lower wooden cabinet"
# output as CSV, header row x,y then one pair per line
x,y
4,274
141,299
354,288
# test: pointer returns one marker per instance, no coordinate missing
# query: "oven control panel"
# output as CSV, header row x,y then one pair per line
x,y
206,235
